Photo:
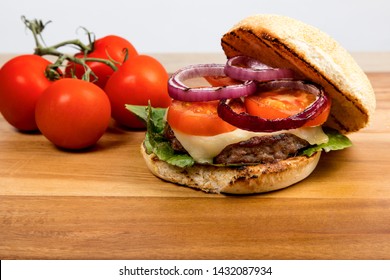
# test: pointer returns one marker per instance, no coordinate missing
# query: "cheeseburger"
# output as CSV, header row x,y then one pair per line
x,y
287,92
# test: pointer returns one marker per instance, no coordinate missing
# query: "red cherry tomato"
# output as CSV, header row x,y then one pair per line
x,y
136,82
22,81
73,114
110,48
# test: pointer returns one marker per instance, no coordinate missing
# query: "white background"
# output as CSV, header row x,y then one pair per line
x,y
167,26
281,270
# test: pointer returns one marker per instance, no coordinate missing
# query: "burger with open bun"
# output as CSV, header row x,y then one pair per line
x,y
258,123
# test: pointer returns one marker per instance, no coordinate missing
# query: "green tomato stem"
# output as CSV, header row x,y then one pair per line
x,y
37,26
84,48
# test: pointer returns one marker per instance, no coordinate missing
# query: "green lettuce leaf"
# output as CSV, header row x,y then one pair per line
x,y
155,141
336,141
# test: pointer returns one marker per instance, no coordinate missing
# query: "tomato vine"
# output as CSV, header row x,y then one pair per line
x,y
52,73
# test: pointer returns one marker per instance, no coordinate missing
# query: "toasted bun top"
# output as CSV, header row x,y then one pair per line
x,y
280,41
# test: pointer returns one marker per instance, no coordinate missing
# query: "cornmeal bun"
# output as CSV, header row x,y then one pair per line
x,y
283,42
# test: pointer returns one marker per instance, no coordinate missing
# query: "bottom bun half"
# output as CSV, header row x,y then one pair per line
x,y
248,179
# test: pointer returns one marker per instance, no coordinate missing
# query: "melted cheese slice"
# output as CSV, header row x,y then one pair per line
x,y
204,148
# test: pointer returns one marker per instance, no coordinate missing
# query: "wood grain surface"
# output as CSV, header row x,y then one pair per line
x,y
103,203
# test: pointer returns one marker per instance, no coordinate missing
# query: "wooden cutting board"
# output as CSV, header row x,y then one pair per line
x,y
104,204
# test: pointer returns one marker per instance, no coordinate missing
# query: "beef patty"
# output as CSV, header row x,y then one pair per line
x,y
262,149
259,149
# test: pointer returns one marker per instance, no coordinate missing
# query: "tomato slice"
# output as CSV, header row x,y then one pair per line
x,y
219,81
199,118
283,103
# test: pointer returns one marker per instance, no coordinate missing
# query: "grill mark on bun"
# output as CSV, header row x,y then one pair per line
x,y
336,124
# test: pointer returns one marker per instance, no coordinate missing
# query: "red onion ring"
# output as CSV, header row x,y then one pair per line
x,y
259,124
246,68
179,91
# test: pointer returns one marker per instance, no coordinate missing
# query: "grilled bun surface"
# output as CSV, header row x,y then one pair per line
x,y
284,42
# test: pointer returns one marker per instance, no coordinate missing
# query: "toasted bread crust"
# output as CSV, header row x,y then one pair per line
x,y
284,42
235,180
